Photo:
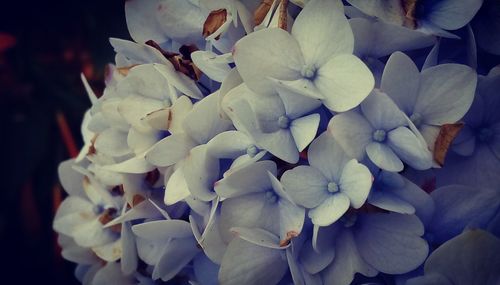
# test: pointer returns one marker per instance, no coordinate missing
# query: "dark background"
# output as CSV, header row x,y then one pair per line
x,y
44,46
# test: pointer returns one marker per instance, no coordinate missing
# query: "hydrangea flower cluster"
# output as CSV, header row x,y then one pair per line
x,y
290,142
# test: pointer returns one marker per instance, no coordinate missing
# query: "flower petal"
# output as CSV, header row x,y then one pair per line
x,y
163,230
377,39
142,22
176,189
250,179
291,220
352,131
391,243
409,149
390,202
249,211
472,257
258,237
347,262
401,81
208,62
267,53
182,21
446,93
344,81
176,255
136,165
70,179
306,185
180,81
296,104
330,210
355,182
319,16
247,263
452,15
383,156
304,130
458,206
202,123
200,173
280,144
314,262
229,144
170,150
382,112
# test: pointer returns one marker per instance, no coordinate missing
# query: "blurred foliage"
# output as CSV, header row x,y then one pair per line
x,y
44,46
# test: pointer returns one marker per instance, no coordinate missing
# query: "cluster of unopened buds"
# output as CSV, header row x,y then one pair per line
x,y
291,142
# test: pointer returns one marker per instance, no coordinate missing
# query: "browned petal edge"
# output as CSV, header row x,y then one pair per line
x,y
289,236
152,177
86,183
137,199
107,215
261,11
125,69
283,15
447,134
214,21
409,8
92,149
181,62
117,190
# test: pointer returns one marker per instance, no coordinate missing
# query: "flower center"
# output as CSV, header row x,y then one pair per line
x,y
283,122
271,197
485,134
416,119
252,150
333,187
308,71
379,135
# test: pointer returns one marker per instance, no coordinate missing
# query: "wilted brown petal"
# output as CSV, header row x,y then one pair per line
x,y
446,135
261,11
181,63
289,236
117,190
152,177
125,70
107,216
214,21
283,16
410,7
92,149
166,54
137,199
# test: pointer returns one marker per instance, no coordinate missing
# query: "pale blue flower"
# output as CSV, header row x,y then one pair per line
x,y
280,123
318,64
459,207
253,257
427,16
254,198
473,257
332,183
393,192
369,243
380,132
177,242
436,96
